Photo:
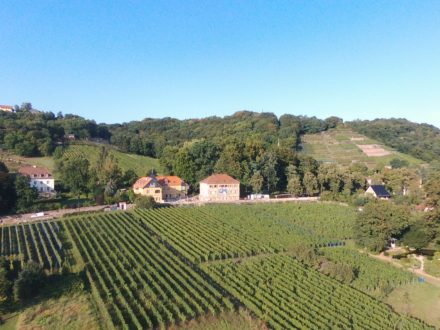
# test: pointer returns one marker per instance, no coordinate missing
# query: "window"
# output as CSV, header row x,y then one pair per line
x,y
47,189
157,191
47,182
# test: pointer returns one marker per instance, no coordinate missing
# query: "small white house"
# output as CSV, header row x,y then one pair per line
x,y
40,178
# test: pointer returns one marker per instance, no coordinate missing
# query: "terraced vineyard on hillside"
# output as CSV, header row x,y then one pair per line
x,y
344,146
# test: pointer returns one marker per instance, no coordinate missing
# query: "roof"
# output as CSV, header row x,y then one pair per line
x,y
7,107
34,171
220,178
380,190
170,180
142,182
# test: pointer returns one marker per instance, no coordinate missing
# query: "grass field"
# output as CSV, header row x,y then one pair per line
x,y
419,300
341,145
14,162
142,165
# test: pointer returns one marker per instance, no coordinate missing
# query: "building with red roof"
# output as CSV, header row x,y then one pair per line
x,y
7,108
219,187
161,188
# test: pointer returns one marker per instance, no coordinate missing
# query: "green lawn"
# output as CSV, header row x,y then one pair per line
x,y
420,300
340,145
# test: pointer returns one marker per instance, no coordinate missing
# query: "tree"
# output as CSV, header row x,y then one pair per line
x,y
144,202
398,163
58,152
416,237
432,189
294,185
128,178
5,285
310,184
269,170
26,195
378,222
29,282
75,175
257,182
7,189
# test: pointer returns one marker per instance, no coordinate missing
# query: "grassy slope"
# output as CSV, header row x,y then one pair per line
x,y
14,162
419,300
336,146
227,321
67,305
140,164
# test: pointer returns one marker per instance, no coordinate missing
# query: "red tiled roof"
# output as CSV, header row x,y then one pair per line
x,y
220,178
170,180
34,171
142,182
6,107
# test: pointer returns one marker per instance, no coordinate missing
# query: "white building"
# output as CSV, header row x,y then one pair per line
x,y
219,187
40,178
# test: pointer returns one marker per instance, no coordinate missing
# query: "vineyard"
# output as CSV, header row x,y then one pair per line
x,y
287,295
288,224
136,281
38,241
373,276
161,268
200,237
141,165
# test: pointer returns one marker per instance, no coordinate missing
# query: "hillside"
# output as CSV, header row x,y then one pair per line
x,y
140,164
344,146
419,140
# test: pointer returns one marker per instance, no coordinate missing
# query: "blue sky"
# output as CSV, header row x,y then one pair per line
x,y
115,61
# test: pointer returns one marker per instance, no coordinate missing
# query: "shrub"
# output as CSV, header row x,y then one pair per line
x,y
144,202
30,281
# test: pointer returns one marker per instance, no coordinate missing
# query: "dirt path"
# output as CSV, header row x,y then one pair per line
x,y
420,272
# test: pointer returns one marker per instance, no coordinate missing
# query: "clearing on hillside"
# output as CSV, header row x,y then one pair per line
x,y
344,146
142,165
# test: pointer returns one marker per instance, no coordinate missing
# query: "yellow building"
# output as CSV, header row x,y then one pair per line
x,y
161,188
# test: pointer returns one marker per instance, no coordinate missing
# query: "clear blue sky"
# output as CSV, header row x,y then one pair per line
x,y
115,61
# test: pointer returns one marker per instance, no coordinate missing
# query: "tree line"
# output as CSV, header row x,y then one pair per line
x,y
34,133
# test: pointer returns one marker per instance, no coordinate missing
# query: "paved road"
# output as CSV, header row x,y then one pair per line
x,y
29,217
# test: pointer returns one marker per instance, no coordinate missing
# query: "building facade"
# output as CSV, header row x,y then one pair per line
x,y
219,187
161,188
40,178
